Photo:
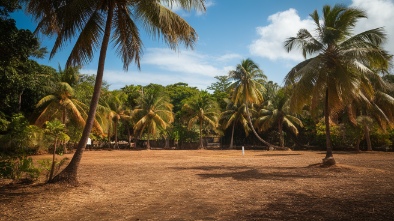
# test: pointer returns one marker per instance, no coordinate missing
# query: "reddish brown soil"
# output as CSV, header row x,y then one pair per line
x,y
212,185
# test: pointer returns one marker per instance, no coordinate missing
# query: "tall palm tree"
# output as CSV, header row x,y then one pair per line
x,y
234,115
92,22
153,113
275,113
201,109
248,88
336,63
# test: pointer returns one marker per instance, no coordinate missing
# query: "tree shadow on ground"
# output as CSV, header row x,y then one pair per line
x,y
245,173
297,206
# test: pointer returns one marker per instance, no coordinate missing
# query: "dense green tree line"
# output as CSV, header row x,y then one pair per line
x,y
337,98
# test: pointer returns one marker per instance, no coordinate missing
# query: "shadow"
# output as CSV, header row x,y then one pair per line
x,y
253,174
245,173
298,206
278,155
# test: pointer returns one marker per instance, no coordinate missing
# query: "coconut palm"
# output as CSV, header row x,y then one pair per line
x,y
114,104
248,88
61,105
336,63
92,22
234,115
203,110
275,113
153,113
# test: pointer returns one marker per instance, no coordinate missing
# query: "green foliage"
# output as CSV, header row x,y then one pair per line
x,y
45,165
18,168
21,138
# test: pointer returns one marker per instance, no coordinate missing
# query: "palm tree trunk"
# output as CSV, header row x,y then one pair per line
x,y
148,142
20,101
254,131
232,136
69,174
281,138
53,161
329,159
116,134
201,143
367,138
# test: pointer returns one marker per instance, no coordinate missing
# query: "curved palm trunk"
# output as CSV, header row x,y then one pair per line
x,y
69,174
254,131
329,159
232,136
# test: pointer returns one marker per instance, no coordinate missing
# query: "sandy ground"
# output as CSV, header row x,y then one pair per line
x,y
212,185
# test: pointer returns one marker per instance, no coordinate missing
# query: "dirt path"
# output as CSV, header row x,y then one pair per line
x,y
212,185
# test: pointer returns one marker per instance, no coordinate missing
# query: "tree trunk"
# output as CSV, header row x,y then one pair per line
x,y
128,136
329,159
69,174
116,134
232,136
357,145
281,138
201,143
254,131
148,142
367,138
53,161
20,101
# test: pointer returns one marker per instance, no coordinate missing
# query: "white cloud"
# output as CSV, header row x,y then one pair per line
x,y
270,43
380,14
282,25
164,66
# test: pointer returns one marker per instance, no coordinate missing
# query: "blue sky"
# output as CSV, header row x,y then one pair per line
x,y
229,31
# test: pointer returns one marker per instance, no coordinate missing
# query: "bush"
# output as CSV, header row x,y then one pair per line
x,y
18,168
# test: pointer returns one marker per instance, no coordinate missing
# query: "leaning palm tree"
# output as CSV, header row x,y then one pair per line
x,y
92,22
276,113
153,113
232,116
248,88
336,63
201,109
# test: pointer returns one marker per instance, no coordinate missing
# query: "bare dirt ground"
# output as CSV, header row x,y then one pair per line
x,y
212,185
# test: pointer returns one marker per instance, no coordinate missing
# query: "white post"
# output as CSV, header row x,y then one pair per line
x,y
243,150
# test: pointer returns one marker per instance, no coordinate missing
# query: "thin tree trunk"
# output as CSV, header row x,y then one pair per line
x,y
281,138
367,138
116,134
201,143
148,142
69,174
128,136
329,159
53,161
20,101
254,131
232,136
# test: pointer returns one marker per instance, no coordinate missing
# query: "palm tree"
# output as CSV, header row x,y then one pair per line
x,y
201,109
248,88
153,113
92,22
276,113
59,104
114,104
336,63
233,115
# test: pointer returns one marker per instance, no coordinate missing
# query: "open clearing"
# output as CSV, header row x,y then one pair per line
x,y
212,185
